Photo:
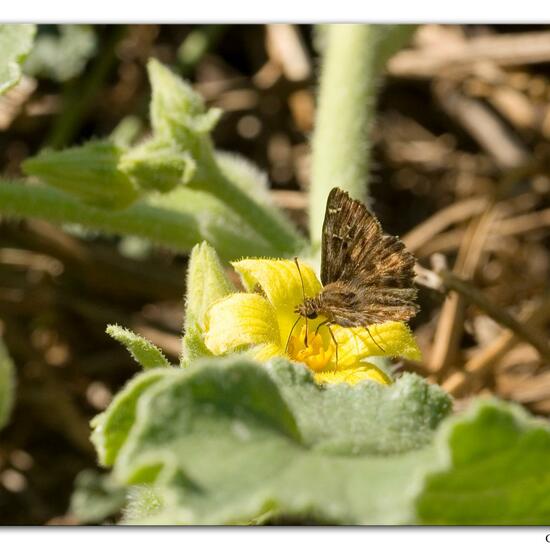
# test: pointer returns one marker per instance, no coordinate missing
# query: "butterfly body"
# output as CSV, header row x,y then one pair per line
x,y
334,297
367,274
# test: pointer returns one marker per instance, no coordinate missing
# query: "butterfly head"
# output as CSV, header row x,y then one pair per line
x,y
309,308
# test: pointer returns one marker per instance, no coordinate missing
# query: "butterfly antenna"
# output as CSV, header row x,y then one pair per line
x,y
303,292
371,337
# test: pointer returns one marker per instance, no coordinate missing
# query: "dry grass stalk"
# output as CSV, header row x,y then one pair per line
x,y
483,125
450,326
486,361
461,56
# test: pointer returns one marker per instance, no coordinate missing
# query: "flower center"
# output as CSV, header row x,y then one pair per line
x,y
316,355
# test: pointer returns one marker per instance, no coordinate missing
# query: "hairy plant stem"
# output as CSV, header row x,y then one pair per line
x,y
279,233
354,56
162,226
177,228
172,228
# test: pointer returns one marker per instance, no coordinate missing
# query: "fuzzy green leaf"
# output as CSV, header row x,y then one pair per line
x,y
15,44
96,497
143,351
111,428
7,385
495,470
229,441
245,175
339,419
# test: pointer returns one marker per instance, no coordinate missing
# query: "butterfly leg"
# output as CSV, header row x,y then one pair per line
x,y
290,334
327,324
334,340
324,323
371,337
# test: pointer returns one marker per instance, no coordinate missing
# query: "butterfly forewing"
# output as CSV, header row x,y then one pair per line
x,y
367,274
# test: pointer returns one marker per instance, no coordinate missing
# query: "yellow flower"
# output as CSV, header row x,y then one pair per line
x,y
262,320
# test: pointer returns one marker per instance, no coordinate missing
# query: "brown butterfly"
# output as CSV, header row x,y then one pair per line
x,y
367,275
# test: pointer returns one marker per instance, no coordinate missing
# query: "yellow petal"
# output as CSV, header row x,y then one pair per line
x,y
280,281
391,339
240,320
266,351
353,376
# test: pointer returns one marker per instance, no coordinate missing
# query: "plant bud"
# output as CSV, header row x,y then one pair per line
x,y
177,111
206,283
157,165
89,172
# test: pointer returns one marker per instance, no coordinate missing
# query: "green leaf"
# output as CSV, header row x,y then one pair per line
x,y
226,442
96,497
206,283
15,44
143,351
142,501
370,418
7,385
62,55
495,470
231,441
89,172
111,428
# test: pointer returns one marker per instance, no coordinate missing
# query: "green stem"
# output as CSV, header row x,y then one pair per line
x,y
277,231
176,229
7,385
80,95
353,59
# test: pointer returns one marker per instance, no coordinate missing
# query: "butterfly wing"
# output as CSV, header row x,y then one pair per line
x,y
368,275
